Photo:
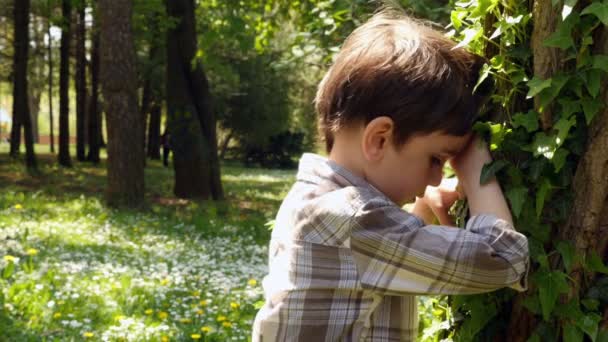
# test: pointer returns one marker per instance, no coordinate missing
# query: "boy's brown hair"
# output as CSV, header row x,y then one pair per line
x,y
398,67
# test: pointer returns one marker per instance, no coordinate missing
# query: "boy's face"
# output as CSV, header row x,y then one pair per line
x,y
404,172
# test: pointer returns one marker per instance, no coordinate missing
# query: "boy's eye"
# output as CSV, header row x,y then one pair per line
x,y
436,161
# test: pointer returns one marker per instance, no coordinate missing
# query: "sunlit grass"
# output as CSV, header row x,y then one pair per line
x,y
74,269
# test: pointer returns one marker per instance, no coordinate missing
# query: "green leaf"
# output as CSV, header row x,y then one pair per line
x,y
595,263
541,195
563,128
600,62
589,324
489,170
536,85
550,285
593,83
484,73
529,121
567,251
532,303
591,304
560,39
591,107
567,9
600,10
569,107
557,83
517,198
470,34
572,333
559,158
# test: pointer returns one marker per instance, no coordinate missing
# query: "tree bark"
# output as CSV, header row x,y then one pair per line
x,y
50,61
119,87
547,60
192,123
20,89
81,83
64,83
590,187
94,122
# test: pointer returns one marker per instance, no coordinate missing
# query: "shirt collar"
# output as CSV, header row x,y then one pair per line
x,y
316,169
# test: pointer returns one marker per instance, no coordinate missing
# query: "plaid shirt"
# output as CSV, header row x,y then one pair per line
x,y
346,263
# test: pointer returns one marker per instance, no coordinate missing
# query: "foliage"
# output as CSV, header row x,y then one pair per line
x,y
73,269
538,165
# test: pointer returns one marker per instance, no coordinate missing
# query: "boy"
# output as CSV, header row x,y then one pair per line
x,y
346,261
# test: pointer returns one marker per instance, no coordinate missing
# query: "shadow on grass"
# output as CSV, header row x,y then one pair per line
x,y
252,195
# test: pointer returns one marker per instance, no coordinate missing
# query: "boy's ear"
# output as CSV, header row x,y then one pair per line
x,y
377,137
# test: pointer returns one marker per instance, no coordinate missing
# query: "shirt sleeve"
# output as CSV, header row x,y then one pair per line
x,y
396,253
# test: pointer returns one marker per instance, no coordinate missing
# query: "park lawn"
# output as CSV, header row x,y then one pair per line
x,y
73,269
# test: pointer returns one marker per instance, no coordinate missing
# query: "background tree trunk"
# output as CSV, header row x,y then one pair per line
x,y
191,121
119,87
94,122
50,68
64,84
81,83
20,88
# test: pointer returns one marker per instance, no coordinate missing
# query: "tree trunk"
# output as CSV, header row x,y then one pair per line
x,y
64,83
50,61
20,89
81,83
94,122
34,105
154,131
547,60
192,124
119,87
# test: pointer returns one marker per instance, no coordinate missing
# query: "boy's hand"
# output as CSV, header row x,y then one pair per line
x,y
468,164
441,198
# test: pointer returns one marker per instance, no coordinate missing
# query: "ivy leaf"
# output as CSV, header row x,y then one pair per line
x,y
600,10
600,62
595,263
567,251
589,324
550,285
563,127
567,9
529,121
557,83
517,198
541,195
572,333
536,85
560,39
569,107
593,83
484,73
489,170
590,108
559,158
470,34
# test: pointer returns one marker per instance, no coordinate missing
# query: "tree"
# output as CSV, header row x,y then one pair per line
x,y
21,112
50,68
119,88
548,125
94,123
64,84
192,123
81,82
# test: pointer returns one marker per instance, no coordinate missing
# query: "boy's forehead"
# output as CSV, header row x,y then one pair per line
x,y
446,143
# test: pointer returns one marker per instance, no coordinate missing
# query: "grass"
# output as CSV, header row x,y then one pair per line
x,y
73,269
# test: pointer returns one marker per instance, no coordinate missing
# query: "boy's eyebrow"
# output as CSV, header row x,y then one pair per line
x,y
450,152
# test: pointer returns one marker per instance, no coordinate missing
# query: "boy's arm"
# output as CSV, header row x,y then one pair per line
x,y
394,255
